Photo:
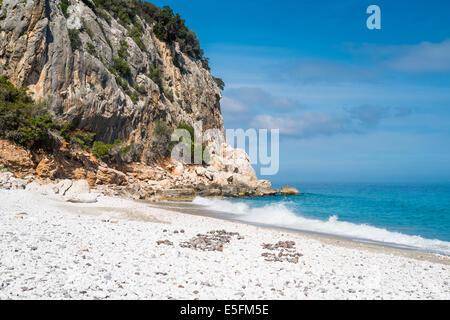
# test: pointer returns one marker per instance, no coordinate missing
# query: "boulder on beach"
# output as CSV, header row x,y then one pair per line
x,y
83,198
63,186
177,195
78,187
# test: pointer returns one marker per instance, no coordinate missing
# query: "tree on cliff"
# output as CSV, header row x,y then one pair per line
x,y
21,119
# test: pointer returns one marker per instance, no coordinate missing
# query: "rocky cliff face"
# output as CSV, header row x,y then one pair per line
x,y
96,72
114,77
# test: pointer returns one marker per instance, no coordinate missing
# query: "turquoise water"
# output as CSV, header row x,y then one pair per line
x,y
413,216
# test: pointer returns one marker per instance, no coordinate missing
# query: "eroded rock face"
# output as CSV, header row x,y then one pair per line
x,y
79,84
16,158
46,168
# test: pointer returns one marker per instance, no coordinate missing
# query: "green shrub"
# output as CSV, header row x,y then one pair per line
x,y
219,83
126,10
65,130
91,49
123,84
205,63
122,67
64,7
83,139
133,96
147,11
101,150
123,50
75,41
136,34
124,16
120,63
86,27
155,75
170,28
126,150
104,15
123,10
36,130
22,120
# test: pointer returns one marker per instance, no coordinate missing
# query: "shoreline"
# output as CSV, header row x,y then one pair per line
x,y
347,242
124,249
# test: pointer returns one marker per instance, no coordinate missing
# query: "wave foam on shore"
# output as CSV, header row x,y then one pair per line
x,y
279,215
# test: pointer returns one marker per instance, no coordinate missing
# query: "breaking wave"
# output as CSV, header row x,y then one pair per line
x,y
279,215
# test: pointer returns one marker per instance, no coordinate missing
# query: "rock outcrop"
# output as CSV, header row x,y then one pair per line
x,y
116,79
73,63
60,172
289,191
16,158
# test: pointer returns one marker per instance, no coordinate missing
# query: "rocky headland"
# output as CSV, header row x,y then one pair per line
x,y
116,79
55,174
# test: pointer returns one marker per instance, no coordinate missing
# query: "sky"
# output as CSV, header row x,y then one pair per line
x,y
352,104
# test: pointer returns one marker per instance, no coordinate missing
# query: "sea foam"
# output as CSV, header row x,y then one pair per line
x,y
279,215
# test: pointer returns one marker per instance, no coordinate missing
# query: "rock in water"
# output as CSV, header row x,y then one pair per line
x,y
289,191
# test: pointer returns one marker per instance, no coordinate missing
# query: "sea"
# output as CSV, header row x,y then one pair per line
x,y
410,216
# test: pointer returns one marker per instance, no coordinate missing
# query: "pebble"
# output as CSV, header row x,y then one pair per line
x,y
58,252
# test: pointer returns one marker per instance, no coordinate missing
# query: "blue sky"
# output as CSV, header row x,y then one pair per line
x,y
353,104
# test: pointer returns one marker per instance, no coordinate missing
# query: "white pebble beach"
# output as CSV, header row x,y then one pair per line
x,y
51,249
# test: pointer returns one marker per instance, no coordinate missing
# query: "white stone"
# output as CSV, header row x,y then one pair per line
x,y
77,256
83,198
77,188
33,186
179,169
63,186
5,176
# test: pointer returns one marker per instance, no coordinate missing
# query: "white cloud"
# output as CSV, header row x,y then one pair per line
x,y
306,125
232,105
424,57
352,120
256,98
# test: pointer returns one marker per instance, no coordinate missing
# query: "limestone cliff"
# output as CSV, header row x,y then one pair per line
x,y
72,61
119,72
